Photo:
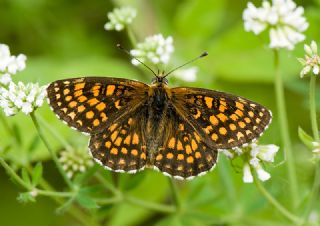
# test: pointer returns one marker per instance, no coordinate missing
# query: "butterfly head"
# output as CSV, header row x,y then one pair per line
x,y
159,79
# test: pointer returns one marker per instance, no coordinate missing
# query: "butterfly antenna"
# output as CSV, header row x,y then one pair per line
x,y
202,55
127,52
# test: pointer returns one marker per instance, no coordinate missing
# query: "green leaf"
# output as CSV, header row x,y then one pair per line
x,y
25,197
86,201
17,133
25,176
34,143
37,174
129,182
306,138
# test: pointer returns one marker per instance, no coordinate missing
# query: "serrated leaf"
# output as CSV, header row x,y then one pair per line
x,y
25,197
25,176
86,201
305,138
65,206
37,174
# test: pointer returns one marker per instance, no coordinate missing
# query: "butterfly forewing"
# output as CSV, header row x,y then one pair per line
x,y
92,104
225,120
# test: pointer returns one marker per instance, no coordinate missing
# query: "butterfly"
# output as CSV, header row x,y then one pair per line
x,y
178,131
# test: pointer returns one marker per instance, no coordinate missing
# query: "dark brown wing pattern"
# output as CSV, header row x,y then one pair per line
x,y
225,121
121,147
182,153
92,104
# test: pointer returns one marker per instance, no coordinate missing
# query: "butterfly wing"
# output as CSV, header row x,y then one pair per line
x,y
91,104
122,147
182,153
223,120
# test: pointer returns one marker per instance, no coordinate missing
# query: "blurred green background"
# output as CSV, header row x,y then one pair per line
x,y
66,38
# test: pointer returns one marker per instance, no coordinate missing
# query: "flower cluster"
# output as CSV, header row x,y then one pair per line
x,y
21,97
311,62
188,74
119,18
254,156
283,18
75,160
155,49
9,65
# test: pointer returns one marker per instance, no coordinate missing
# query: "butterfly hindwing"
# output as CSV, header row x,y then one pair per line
x,y
226,120
183,154
91,104
121,147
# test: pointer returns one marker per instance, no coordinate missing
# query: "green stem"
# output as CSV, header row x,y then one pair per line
x,y
107,184
313,110
314,194
275,203
6,125
150,205
284,129
54,195
14,175
175,194
131,36
53,155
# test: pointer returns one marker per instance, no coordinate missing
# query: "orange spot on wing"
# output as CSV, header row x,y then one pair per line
x,y
93,101
110,90
190,159
79,86
96,122
101,106
135,139
208,101
127,140
78,93
73,104
213,119
188,149
222,117
82,99
242,124
214,137
172,143
194,145
180,157
179,146
239,105
118,141
107,144
239,112
72,115
222,131
114,151
197,155
89,114
103,117
169,155
134,152
114,135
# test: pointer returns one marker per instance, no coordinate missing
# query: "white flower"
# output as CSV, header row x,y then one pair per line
x,y
283,18
311,62
155,49
264,152
228,153
21,97
9,65
119,18
247,175
188,74
255,155
75,160
5,79
262,174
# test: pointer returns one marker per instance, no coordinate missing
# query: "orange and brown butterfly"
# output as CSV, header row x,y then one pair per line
x,y
178,131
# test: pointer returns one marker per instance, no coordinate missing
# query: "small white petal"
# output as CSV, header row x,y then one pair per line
x,y
247,175
263,175
315,69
